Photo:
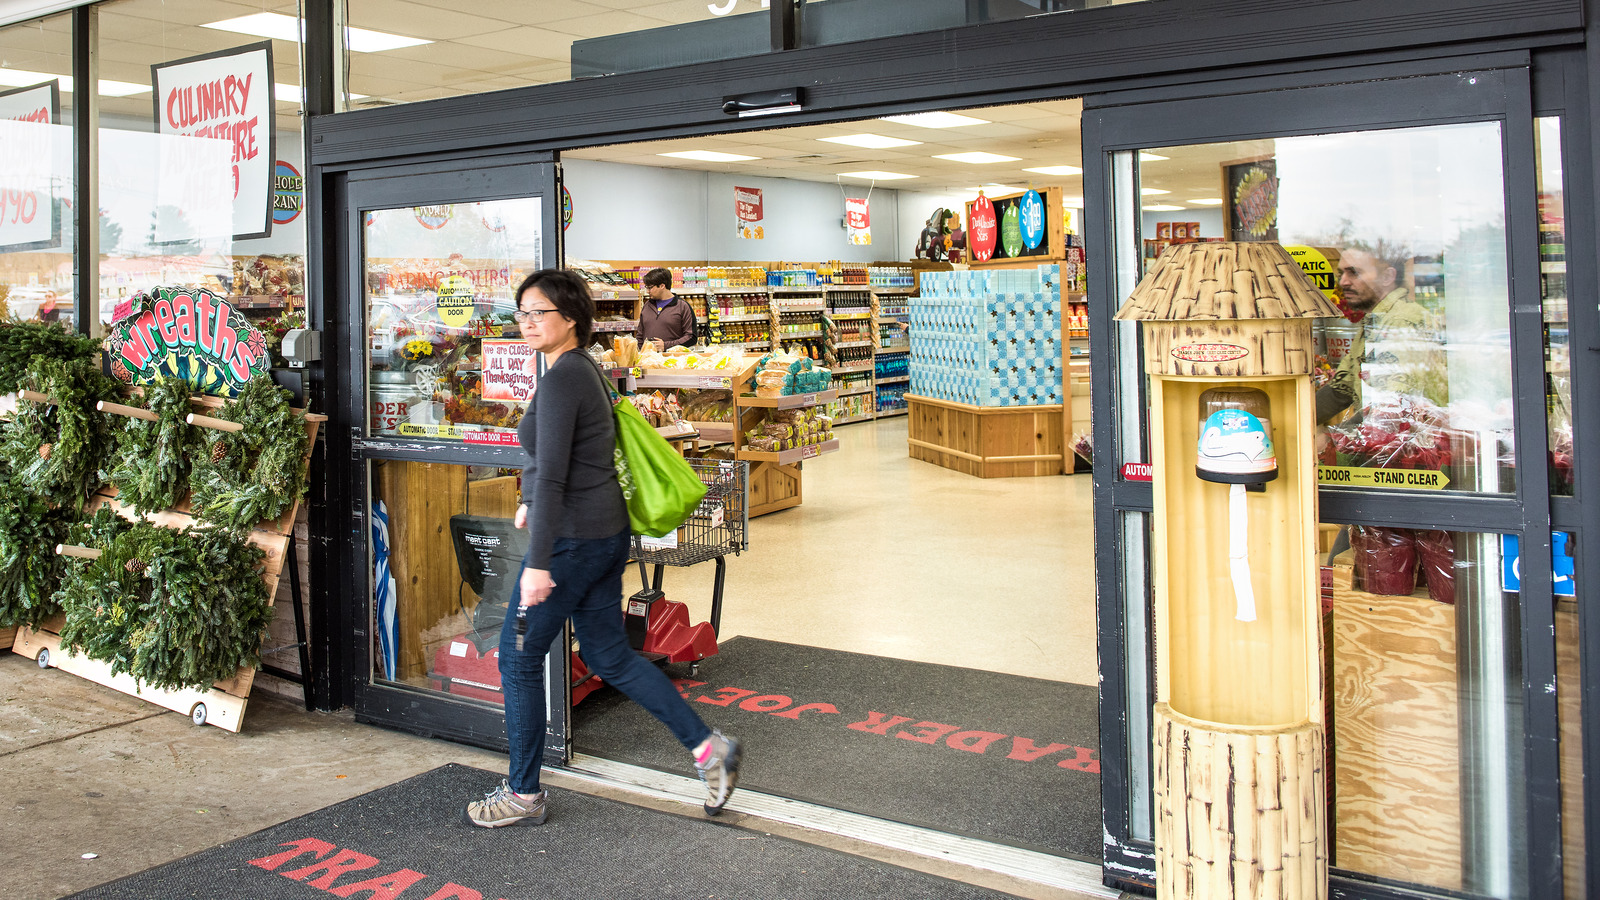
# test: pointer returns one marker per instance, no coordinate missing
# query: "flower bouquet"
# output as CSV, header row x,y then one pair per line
x,y
1411,435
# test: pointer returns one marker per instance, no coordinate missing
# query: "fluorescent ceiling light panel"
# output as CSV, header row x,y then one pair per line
x,y
1056,170
873,175
1207,201
288,28
1151,192
708,156
937,120
1151,157
290,93
25,78
870,141
1162,207
976,157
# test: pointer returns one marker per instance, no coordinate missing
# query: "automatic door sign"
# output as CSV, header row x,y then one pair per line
x,y
456,301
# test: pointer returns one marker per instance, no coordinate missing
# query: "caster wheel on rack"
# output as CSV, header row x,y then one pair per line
x,y
198,714
44,659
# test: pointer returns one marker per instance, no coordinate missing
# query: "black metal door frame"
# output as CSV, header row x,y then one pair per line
x,y
355,192
1386,97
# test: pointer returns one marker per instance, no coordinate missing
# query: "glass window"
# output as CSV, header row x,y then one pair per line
x,y
839,21
446,555
1553,290
446,357
1405,230
1425,674
407,51
36,183
201,187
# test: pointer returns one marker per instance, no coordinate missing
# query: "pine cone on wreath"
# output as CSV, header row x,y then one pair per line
x,y
134,566
44,450
218,451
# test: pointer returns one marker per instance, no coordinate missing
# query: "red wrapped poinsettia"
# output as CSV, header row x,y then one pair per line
x,y
1410,435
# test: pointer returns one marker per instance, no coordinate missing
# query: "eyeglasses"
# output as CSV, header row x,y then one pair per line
x,y
531,315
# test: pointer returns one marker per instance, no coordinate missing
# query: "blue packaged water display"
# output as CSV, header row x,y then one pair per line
x,y
988,338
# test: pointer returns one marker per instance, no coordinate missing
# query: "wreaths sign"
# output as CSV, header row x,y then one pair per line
x,y
187,333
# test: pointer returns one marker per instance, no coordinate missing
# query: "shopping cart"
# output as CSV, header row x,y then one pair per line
x,y
659,628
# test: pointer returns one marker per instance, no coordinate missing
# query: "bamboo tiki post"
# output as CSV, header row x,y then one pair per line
x,y
209,422
35,396
75,550
132,411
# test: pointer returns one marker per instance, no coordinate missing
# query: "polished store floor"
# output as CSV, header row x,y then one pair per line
x,y
901,558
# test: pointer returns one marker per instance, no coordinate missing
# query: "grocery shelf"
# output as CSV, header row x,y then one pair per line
x,y
790,457
889,320
894,379
800,335
846,420
792,401
854,391
715,432
891,412
895,348
842,370
616,326
797,307
849,316
889,291
792,289
844,345
688,378
744,317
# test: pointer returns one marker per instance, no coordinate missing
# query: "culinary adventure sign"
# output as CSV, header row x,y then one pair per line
x,y
227,96
187,333
29,217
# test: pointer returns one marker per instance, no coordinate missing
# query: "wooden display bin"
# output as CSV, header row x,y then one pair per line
x,y
989,442
7,637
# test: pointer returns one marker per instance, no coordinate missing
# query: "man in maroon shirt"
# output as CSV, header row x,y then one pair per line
x,y
663,315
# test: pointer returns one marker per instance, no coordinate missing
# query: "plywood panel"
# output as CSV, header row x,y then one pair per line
x,y
774,487
421,497
989,442
7,637
1396,739
1569,697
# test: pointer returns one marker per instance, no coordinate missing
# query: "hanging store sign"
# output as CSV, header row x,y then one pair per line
x,y
1011,231
748,213
227,97
858,221
508,373
30,218
187,333
984,231
1030,215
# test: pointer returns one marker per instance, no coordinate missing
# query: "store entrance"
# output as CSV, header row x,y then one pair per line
x,y
902,636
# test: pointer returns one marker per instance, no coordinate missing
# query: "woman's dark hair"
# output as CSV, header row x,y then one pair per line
x,y
569,294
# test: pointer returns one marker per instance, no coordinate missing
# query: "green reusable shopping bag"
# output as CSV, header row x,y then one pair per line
x,y
661,489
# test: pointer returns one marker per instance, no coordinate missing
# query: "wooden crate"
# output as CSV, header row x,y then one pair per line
x,y
989,442
773,487
7,637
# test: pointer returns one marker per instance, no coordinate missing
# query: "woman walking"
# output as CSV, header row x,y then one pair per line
x,y
578,540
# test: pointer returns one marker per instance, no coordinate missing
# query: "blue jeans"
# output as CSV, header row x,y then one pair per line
x,y
588,578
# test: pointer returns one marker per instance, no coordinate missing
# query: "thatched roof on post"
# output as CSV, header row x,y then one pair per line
x,y
1226,280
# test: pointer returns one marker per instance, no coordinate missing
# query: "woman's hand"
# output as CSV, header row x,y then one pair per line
x,y
536,586
522,515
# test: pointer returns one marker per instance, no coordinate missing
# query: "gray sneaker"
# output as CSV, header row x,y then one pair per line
x,y
504,807
721,771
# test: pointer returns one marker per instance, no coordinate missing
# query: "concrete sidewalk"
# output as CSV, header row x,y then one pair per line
x,y
89,770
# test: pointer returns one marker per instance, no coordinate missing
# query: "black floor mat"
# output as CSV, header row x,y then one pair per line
x,y
999,757
407,841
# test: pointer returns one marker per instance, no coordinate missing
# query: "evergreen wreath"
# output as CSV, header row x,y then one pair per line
x,y
30,570
153,459
57,450
21,341
246,476
174,609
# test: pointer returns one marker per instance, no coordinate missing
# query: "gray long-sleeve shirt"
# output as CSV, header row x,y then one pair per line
x,y
570,481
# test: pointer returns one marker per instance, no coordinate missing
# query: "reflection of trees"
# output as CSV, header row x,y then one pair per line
x,y
170,230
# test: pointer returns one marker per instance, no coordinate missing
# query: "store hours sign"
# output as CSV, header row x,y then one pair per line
x,y
226,97
29,216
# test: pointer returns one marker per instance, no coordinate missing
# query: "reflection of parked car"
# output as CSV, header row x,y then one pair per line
x,y
32,303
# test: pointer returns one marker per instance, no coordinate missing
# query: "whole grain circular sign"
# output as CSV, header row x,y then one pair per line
x,y
983,230
456,302
1031,214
